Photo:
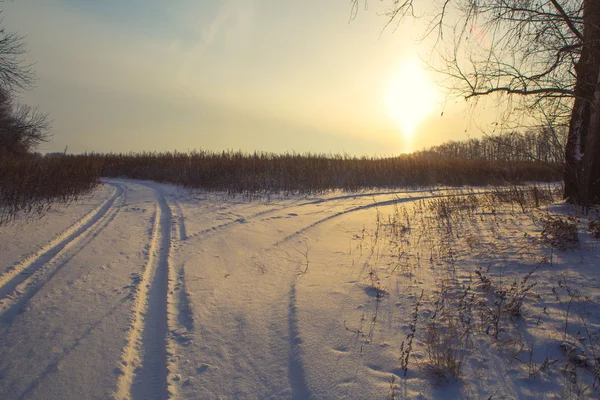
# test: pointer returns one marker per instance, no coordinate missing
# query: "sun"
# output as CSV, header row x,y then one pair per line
x,y
411,96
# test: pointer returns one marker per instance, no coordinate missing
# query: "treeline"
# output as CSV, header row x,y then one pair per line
x,y
257,173
545,145
30,184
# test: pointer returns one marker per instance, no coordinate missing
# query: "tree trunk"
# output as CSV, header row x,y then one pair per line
x,y
575,149
591,194
582,169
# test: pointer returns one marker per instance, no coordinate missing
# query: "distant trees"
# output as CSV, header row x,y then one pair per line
x,y
542,57
544,145
22,127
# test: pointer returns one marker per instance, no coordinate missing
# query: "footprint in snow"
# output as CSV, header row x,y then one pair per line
x,y
203,368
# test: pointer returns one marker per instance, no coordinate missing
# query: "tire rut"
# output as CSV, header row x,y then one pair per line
x,y
23,280
145,370
366,207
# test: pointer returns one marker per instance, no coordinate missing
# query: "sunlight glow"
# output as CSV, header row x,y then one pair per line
x,y
411,96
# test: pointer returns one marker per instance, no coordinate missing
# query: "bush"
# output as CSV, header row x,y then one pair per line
x,y
30,185
560,233
594,227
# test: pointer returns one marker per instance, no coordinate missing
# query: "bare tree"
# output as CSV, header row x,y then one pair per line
x,y
15,74
533,145
22,127
540,57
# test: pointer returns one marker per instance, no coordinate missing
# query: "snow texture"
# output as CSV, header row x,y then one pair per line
x,y
148,291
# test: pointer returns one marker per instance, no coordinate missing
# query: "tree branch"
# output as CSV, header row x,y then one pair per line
x,y
567,19
524,92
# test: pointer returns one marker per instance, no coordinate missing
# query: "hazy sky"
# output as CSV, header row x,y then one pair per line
x,y
131,75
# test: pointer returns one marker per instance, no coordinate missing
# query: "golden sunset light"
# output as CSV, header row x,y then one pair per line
x,y
411,96
297,200
241,75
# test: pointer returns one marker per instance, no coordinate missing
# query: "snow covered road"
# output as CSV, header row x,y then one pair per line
x,y
147,291
125,298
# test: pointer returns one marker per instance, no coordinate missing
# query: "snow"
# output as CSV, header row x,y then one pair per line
x,y
148,291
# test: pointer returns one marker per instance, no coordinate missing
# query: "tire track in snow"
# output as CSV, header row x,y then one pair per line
x,y
55,252
146,370
373,194
242,220
368,206
215,228
296,372
180,317
183,307
180,218
348,211
296,369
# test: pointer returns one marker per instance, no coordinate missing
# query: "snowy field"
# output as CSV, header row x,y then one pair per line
x,y
147,291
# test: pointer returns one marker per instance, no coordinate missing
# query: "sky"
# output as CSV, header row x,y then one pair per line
x,y
250,75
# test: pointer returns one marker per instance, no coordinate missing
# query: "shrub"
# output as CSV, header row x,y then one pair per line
x,y
594,227
30,185
560,233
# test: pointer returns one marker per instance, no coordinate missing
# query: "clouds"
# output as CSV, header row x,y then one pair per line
x,y
219,38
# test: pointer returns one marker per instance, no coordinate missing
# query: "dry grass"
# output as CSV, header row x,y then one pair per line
x,y
258,173
32,183
29,186
471,311
594,226
560,232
